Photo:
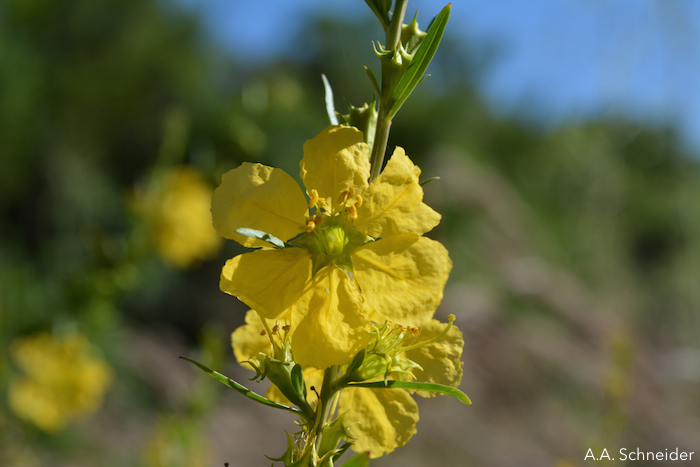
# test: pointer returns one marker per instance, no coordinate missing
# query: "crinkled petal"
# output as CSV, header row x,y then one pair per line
x,y
440,360
329,323
335,161
402,277
247,341
258,197
312,378
268,281
379,420
393,203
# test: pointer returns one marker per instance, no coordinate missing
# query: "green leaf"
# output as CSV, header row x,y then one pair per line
x,y
417,386
429,180
242,389
358,460
422,58
381,10
330,106
264,236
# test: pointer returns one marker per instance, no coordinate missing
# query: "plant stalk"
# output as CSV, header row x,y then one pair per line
x,y
381,135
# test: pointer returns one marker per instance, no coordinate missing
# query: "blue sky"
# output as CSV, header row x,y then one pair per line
x,y
559,60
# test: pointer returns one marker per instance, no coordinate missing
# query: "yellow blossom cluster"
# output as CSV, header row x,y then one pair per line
x,y
364,260
334,268
63,379
177,209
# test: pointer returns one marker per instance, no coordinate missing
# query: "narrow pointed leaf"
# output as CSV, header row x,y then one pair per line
x,y
420,62
373,79
417,386
242,389
264,236
330,106
358,460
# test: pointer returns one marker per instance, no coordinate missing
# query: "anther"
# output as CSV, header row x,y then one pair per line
x,y
263,332
313,198
311,222
352,213
275,328
343,197
286,327
359,201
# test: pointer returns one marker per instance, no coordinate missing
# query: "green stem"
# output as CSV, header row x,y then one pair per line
x,y
327,392
381,134
381,138
394,35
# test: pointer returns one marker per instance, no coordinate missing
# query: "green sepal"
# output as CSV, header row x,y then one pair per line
x,y
306,460
341,451
358,460
421,59
332,434
289,379
330,106
319,259
242,389
412,36
356,361
259,234
288,454
364,119
395,65
417,386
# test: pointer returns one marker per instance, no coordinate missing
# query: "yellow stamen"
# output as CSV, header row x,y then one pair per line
x,y
359,201
263,332
451,320
352,213
286,327
313,198
343,197
275,328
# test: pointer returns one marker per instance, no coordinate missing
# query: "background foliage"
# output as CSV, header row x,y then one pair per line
x,y
577,251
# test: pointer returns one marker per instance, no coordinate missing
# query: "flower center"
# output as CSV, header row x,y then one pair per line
x,y
331,240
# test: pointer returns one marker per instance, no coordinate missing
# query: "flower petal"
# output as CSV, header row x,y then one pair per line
x,y
393,203
247,341
379,420
335,161
258,197
269,281
440,360
402,277
329,324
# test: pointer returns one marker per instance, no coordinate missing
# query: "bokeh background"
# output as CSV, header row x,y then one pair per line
x,y
565,134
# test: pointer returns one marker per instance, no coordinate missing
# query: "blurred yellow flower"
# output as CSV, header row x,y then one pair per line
x,y
63,380
177,210
362,256
378,420
177,443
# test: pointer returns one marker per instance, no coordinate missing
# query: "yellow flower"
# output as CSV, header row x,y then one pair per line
x,y
62,380
378,420
177,442
177,210
361,254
